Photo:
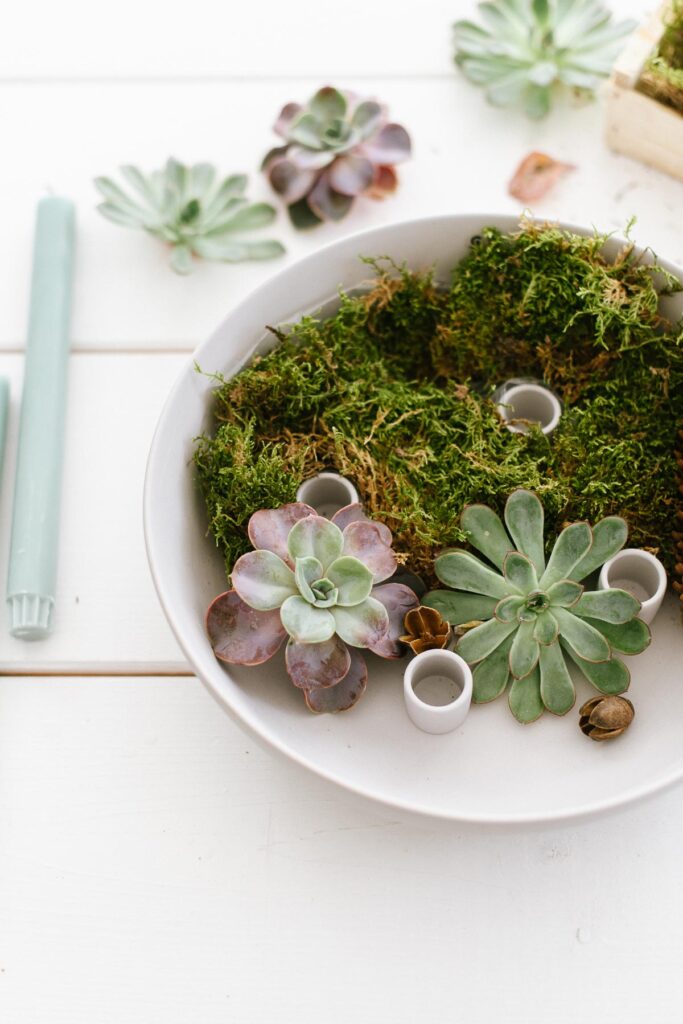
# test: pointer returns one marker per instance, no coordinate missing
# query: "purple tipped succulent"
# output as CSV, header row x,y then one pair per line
x,y
315,582
337,147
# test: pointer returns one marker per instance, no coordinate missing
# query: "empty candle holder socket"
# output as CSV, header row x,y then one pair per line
x,y
437,688
327,493
521,403
639,573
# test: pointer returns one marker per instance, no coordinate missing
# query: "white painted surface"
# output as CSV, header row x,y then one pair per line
x,y
107,618
154,865
145,41
157,867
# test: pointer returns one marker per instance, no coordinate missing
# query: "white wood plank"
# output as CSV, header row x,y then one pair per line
x,y
107,615
156,867
268,38
126,297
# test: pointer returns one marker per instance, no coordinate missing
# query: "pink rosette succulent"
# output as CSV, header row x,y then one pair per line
x,y
320,584
337,147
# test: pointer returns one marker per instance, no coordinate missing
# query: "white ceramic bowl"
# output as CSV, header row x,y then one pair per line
x,y
490,771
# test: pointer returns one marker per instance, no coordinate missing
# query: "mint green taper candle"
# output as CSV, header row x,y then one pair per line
x,y
4,409
32,578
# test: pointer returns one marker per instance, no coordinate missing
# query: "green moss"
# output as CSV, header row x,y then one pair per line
x,y
240,473
393,391
662,76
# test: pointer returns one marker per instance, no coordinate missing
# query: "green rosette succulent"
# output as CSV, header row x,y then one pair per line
x,y
337,147
194,212
534,616
528,49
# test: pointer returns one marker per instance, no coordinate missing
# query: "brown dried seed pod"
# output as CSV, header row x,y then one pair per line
x,y
425,630
605,718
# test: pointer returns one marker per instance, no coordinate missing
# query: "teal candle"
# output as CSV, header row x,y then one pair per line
x,y
4,408
32,578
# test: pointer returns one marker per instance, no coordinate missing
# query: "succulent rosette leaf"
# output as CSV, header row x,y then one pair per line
x,y
524,50
336,148
319,584
536,616
193,211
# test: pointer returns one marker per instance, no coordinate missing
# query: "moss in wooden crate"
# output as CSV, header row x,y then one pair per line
x,y
662,76
394,390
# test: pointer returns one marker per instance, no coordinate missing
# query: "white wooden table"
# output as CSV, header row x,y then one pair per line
x,y
156,866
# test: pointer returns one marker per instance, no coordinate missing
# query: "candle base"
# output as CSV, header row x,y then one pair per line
x,y
30,616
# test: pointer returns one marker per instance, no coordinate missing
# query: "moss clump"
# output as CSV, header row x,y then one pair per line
x,y
393,391
241,473
662,76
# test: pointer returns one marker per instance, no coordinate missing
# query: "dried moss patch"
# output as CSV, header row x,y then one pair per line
x,y
393,391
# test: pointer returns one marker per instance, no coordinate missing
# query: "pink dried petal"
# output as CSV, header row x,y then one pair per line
x,y
367,541
269,527
313,665
383,184
398,601
535,176
239,634
345,694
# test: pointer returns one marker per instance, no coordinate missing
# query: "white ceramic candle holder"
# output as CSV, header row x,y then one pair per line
x,y
641,574
531,402
437,687
327,493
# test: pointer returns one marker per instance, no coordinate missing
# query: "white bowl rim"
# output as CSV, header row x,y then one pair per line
x,y
252,723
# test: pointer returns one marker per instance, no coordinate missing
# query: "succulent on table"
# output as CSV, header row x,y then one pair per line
x,y
526,50
535,617
337,147
193,211
319,584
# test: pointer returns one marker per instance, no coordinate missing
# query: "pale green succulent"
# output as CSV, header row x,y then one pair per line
x,y
191,210
527,49
534,616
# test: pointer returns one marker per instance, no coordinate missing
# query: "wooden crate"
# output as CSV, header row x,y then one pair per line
x,y
636,124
